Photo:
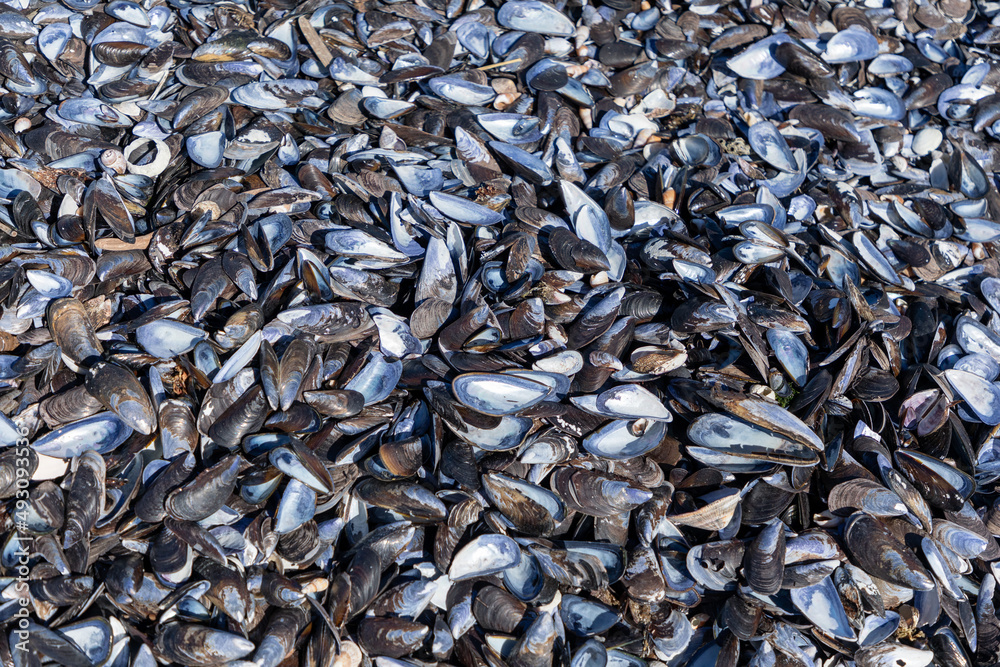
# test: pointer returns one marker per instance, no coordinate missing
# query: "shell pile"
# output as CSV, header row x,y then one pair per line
x,y
499,334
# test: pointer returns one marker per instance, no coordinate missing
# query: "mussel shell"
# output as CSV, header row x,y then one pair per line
x,y
892,653
863,494
121,393
875,549
584,617
72,331
498,610
406,498
198,645
484,555
207,493
941,484
532,510
597,494
821,604
102,433
764,560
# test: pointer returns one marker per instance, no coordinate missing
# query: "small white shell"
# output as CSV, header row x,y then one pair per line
x,y
158,163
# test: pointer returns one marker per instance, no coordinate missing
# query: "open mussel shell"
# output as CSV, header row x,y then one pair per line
x,y
714,564
102,432
525,580
168,338
766,414
718,510
498,394
487,554
736,438
981,395
585,617
697,150
534,16
821,604
892,653
625,439
878,628
628,402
